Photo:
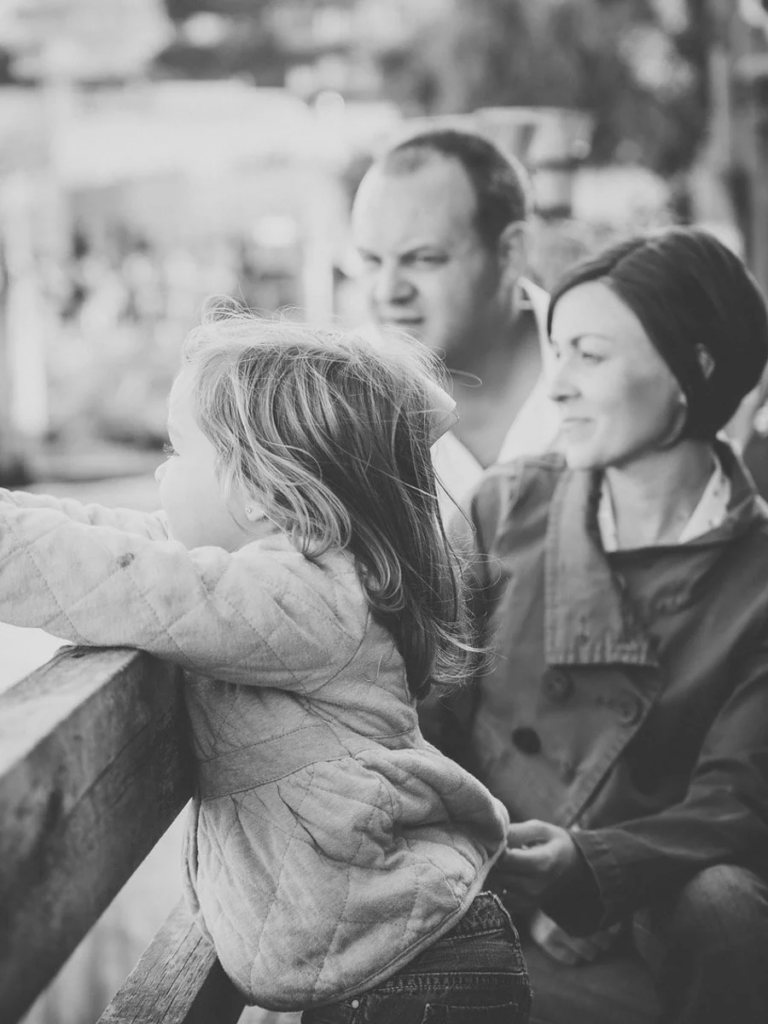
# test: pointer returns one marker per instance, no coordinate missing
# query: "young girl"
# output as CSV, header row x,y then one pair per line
x,y
301,576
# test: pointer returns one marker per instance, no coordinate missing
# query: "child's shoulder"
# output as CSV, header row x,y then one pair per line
x,y
327,585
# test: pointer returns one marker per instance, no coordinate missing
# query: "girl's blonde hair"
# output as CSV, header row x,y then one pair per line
x,y
331,435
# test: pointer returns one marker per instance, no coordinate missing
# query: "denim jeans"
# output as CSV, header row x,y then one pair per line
x,y
707,949
702,960
475,974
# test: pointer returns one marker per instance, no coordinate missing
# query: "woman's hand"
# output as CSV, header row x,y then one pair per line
x,y
568,949
537,858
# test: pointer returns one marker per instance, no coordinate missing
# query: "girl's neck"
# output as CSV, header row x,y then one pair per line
x,y
655,495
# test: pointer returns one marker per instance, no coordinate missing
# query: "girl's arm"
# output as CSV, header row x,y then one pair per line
x,y
264,615
145,524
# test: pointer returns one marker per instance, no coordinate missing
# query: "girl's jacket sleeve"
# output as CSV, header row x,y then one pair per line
x,y
146,524
264,615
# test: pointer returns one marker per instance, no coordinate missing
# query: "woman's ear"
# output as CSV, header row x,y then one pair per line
x,y
254,513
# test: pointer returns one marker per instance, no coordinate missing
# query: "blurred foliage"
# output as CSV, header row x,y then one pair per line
x,y
248,44
248,55
180,10
638,66
6,72
640,73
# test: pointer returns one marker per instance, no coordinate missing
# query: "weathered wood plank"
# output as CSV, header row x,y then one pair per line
x,y
178,980
93,769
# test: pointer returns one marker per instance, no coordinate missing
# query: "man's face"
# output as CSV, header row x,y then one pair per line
x,y
425,269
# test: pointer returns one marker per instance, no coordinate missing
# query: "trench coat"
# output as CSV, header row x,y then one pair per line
x,y
627,694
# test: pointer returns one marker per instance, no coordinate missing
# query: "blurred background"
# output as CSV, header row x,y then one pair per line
x,y
154,152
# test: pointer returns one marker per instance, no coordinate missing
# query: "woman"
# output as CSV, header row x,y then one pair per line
x,y
624,719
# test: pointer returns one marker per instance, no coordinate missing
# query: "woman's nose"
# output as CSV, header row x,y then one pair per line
x,y
160,471
560,381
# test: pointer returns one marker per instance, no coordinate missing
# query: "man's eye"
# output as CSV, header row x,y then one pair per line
x,y
428,260
168,449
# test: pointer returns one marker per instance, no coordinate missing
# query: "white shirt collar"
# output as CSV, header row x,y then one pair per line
x,y
709,513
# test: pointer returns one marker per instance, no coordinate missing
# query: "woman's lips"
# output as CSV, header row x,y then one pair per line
x,y
574,423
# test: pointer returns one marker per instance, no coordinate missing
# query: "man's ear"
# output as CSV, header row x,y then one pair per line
x,y
513,250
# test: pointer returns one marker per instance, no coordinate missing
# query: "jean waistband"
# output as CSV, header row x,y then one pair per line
x,y
486,913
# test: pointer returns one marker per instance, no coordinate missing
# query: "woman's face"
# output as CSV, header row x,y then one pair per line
x,y
617,398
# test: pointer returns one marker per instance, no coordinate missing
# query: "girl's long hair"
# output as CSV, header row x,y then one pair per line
x,y
331,434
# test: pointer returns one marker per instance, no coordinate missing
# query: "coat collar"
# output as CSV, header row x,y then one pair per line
x,y
588,617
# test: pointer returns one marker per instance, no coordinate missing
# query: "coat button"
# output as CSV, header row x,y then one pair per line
x,y
557,686
526,740
629,710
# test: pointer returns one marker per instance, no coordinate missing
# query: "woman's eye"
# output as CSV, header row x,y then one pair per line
x,y
168,449
590,357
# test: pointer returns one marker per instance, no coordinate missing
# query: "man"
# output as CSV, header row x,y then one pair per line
x,y
440,223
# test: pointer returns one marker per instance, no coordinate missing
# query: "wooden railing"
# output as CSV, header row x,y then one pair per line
x,y
94,768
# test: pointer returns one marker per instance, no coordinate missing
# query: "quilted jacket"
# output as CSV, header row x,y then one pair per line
x,y
328,843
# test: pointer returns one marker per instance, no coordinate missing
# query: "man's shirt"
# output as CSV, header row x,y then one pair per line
x,y
533,431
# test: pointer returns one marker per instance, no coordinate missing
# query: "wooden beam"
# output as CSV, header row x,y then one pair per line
x,y
178,980
93,769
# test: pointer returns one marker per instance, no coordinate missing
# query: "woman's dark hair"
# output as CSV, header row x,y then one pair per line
x,y
700,307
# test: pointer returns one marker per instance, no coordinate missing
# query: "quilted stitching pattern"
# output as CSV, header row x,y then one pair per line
x,y
326,881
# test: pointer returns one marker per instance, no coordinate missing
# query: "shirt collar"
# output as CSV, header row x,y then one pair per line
x,y
710,512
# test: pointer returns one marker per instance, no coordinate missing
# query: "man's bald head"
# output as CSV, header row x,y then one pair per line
x,y
499,183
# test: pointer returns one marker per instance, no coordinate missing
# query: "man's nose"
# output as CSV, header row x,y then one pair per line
x,y
391,285
160,471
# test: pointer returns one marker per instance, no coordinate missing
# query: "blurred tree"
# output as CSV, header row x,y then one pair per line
x,y
221,38
180,10
6,70
637,65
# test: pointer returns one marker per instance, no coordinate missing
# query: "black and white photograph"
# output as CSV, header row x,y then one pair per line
x,y
383,511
